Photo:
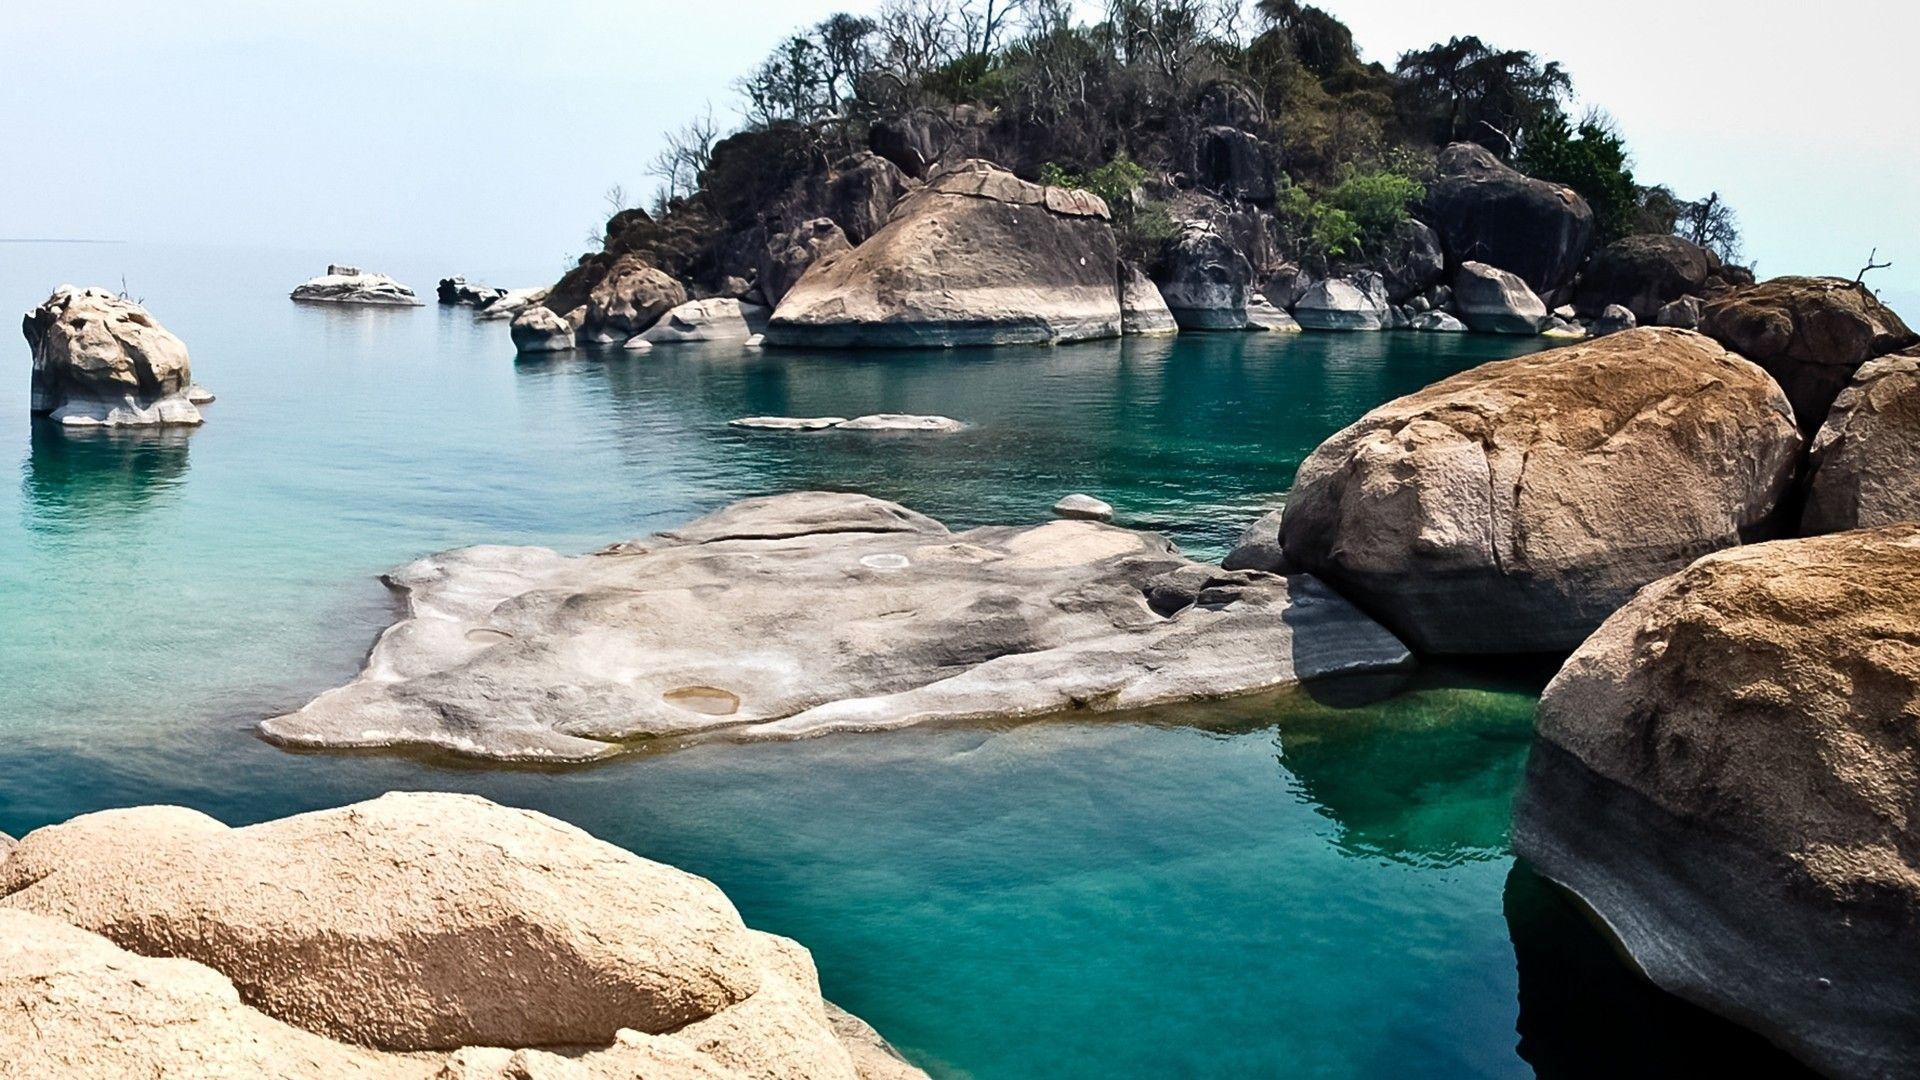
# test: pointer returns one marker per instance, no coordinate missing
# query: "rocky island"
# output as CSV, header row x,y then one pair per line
x,y
352,285
102,360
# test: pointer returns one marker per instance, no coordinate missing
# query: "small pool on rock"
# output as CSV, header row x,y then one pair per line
x,y
1311,885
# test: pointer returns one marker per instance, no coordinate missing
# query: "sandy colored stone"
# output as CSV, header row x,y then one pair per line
x,y
716,319
1866,459
805,613
632,296
1513,507
1726,772
411,922
100,359
977,257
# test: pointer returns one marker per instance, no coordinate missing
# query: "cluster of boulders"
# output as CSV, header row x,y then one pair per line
x,y
414,937
1726,768
99,359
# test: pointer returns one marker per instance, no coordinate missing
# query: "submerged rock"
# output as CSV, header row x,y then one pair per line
x,y
1143,311
351,285
1725,774
1494,301
1083,508
100,359
538,330
902,422
788,423
416,935
977,257
1811,334
1866,459
1513,507
801,614
708,320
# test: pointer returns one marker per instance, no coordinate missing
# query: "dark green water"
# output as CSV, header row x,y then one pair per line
x,y
1316,884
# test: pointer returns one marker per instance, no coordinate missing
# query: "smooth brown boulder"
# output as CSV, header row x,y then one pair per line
x,y
1811,334
1726,773
1513,507
411,922
101,359
977,257
631,297
1866,460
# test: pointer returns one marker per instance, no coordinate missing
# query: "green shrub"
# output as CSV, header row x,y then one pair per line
x,y
1143,229
1377,201
1318,231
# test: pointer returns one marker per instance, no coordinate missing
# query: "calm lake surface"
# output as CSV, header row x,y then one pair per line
x,y
1316,884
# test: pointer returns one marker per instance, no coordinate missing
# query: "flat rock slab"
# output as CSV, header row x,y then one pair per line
x,y
788,423
873,422
813,612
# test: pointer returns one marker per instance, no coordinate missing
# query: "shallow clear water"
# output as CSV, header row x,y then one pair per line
x,y
1314,884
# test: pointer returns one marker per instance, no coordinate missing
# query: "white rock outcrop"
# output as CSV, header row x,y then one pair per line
x,y
351,285
717,319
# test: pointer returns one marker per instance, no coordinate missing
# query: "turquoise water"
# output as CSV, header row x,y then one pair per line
x,y
1314,884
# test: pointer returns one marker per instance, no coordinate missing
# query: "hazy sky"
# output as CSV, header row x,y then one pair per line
x,y
486,133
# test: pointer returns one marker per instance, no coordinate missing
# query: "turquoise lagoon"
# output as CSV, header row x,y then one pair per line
x,y
1315,884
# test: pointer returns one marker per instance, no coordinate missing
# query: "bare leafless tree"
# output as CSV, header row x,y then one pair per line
x,y
1872,265
679,164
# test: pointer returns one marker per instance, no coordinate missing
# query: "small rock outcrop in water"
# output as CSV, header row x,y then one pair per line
x,y
1513,507
1811,334
1494,301
632,296
1083,508
456,291
1725,773
977,257
351,285
1486,212
801,614
870,422
417,935
717,319
1866,459
538,330
100,359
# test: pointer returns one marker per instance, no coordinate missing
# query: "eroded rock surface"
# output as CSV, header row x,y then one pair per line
x,y
1143,311
414,936
1343,304
717,319
351,285
99,359
806,613
1512,507
1726,771
977,257
538,330
1866,459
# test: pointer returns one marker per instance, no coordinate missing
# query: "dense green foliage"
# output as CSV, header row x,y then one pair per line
x,y
1592,160
1144,224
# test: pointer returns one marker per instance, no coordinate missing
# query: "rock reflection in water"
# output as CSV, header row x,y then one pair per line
x,y
73,478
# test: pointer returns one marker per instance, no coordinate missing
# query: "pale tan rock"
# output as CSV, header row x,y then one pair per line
x,y
799,614
716,319
1726,773
537,330
411,922
630,298
977,257
1513,507
1866,459
102,360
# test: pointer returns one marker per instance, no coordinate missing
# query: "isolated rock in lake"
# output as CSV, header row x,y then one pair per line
x,y
1343,304
1486,212
788,423
902,422
1493,301
100,359
416,935
806,613
351,285
629,299
1079,507
977,257
1866,459
708,320
1143,311
1811,334
510,302
538,330
1259,548
457,291
1513,507
1205,280
1725,773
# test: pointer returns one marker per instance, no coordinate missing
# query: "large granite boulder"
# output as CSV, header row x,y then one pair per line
x,y
1866,459
630,298
1205,280
417,935
1726,772
1511,508
1646,273
1236,165
101,359
977,257
1343,304
789,254
1415,261
1486,212
538,330
1143,311
1811,334
351,285
857,193
1493,301
716,319
800,614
